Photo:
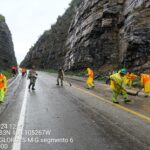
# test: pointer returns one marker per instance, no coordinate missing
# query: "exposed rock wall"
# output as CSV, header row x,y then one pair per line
x,y
50,49
102,33
106,32
7,55
135,35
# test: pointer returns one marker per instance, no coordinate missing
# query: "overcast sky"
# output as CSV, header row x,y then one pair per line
x,y
27,20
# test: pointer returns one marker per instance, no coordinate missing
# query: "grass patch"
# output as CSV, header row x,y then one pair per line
x,y
82,73
51,71
2,18
101,78
79,73
7,73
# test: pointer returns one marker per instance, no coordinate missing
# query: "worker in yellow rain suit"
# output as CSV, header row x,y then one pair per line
x,y
145,82
117,86
3,87
90,79
129,78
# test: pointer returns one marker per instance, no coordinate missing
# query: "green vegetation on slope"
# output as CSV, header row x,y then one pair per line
x,y
2,18
7,73
50,49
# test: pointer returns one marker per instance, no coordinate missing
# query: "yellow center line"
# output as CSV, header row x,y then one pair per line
x,y
117,105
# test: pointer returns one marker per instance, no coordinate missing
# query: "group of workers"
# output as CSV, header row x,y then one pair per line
x,y
3,81
89,82
118,82
14,70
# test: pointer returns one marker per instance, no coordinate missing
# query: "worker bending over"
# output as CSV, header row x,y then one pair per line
x,y
117,86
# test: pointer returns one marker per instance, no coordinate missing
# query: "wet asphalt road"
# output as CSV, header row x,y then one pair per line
x,y
65,118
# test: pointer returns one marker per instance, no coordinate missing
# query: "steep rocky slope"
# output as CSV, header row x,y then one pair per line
x,y
106,32
7,55
103,34
49,51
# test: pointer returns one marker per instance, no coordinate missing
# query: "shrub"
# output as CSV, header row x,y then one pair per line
x,y
7,73
2,18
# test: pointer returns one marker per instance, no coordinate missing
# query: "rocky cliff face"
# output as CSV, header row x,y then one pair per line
x,y
7,56
134,35
50,50
105,33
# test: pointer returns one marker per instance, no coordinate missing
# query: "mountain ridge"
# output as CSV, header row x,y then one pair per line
x,y
7,54
99,33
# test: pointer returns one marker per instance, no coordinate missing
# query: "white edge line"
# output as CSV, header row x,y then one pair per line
x,y
20,125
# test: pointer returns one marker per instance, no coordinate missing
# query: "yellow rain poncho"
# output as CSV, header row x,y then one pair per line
x,y
116,82
117,86
3,86
145,82
90,79
129,78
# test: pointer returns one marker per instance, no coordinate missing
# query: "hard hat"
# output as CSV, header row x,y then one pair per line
x,y
123,71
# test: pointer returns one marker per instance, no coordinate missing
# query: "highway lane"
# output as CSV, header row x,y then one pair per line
x,y
66,118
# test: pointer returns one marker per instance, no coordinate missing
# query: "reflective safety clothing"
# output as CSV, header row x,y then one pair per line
x,y
3,82
129,78
117,86
116,81
24,70
2,95
145,82
13,67
90,79
3,86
